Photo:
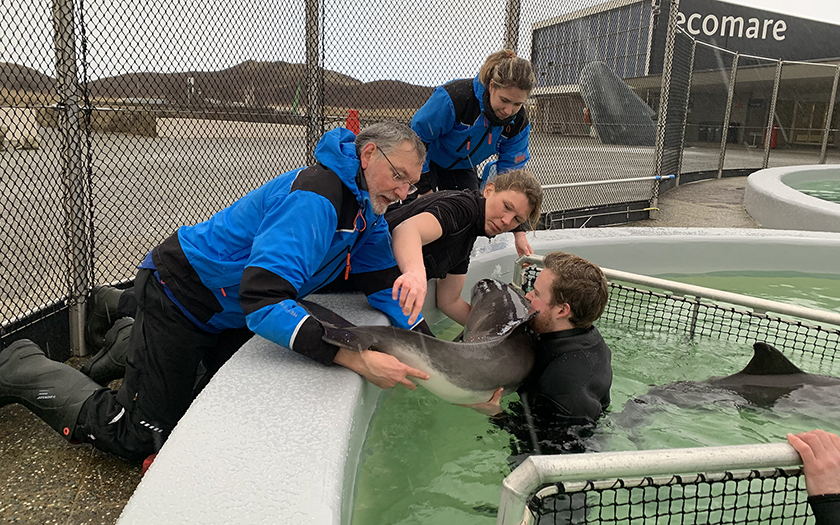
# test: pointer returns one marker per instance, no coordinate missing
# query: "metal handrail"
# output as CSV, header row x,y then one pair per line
x,y
756,304
608,181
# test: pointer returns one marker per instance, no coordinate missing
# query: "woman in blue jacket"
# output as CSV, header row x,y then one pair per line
x,y
467,121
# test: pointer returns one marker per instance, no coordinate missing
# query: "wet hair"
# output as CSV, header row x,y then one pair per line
x,y
389,135
525,183
505,70
579,283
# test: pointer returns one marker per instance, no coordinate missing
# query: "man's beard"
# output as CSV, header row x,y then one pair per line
x,y
380,207
541,324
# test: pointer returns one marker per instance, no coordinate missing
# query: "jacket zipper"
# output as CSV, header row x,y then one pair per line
x,y
486,132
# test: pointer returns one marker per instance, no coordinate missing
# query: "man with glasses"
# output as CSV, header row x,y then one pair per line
x,y
206,289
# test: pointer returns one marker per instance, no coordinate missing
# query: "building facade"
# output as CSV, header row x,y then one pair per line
x,y
629,37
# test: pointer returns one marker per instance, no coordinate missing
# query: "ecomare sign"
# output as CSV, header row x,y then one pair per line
x,y
747,30
732,26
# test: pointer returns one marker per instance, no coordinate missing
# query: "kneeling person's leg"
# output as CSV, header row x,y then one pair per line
x,y
165,350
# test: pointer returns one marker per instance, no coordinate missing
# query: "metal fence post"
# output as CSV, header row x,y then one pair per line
x,y
665,89
685,113
768,133
512,25
829,114
724,136
75,203
314,79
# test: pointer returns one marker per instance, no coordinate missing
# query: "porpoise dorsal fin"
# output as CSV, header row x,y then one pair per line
x,y
767,361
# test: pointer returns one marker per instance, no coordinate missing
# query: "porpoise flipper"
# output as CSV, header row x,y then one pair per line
x,y
324,314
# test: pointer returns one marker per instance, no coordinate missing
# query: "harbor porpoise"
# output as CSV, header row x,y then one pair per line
x,y
495,351
769,384
768,377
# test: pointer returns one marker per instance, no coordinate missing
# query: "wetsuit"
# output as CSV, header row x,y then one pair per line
x,y
461,132
566,392
206,289
826,508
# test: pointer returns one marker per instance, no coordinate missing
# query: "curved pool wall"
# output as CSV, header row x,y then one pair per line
x,y
773,203
277,438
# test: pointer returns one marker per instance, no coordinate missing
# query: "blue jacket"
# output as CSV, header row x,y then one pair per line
x,y
249,263
459,134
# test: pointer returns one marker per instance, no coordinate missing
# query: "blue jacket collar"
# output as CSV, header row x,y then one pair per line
x,y
337,151
479,89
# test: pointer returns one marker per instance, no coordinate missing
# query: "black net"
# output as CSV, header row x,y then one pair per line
x,y
755,497
655,311
802,115
709,95
750,111
678,93
123,121
576,136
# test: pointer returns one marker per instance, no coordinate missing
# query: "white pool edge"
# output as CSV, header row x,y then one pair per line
x,y
772,203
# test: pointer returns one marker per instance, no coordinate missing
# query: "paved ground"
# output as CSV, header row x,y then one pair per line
x,y
43,479
707,204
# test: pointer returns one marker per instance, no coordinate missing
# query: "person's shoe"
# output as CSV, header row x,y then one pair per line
x,y
54,391
102,304
109,363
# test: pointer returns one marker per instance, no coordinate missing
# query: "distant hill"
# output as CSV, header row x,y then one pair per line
x,y
251,83
260,84
22,78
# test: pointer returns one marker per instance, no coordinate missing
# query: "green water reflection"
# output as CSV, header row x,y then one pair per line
x,y
827,190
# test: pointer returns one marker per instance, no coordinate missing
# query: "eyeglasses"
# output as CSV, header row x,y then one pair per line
x,y
399,177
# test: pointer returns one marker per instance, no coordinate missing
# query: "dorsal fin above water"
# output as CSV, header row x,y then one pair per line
x,y
767,360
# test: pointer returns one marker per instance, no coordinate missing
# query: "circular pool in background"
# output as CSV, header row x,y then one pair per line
x,y
773,199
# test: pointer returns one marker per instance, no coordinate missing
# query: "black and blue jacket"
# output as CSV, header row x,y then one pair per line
x,y
249,263
455,125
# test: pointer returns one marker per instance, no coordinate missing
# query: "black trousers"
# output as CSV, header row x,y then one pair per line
x,y
165,351
438,178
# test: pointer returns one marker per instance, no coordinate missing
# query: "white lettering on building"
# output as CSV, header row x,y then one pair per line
x,y
733,26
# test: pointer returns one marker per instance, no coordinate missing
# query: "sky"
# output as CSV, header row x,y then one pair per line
x,y
425,42
823,10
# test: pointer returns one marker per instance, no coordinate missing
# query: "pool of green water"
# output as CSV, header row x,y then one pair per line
x,y
827,190
426,461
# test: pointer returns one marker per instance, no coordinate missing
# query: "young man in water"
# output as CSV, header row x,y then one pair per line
x,y
208,288
569,386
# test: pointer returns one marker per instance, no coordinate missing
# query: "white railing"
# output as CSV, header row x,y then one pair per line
x,y
757,305
537,471
608,181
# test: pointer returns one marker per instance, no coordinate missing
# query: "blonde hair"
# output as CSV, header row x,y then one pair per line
x,y
506,70
525,183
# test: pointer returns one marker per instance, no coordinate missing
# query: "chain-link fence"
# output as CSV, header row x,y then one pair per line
x,y
122,121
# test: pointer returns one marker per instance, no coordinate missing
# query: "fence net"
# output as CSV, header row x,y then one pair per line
x,y
772,496
122,121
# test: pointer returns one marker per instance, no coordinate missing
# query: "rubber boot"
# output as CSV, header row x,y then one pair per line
x,y
103,301
109,363
54,391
